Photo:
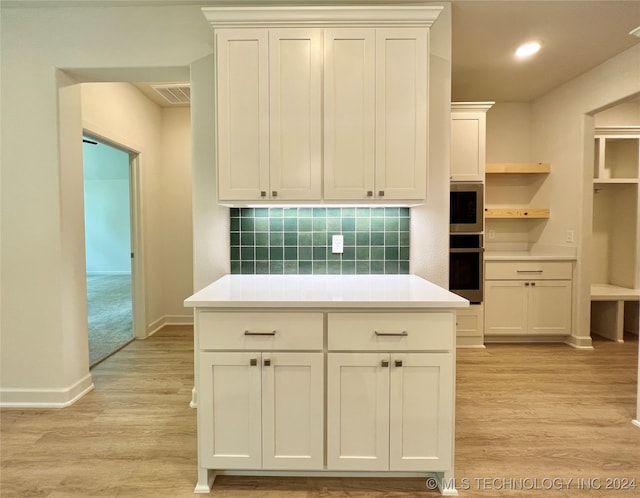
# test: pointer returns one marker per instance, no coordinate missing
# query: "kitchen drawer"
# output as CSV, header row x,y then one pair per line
x,y
412,331
528,270
282,331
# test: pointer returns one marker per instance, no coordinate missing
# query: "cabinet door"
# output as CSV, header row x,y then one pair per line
x,y
549,307
357,411
295,80
229,411
505,307
468,138
243,113
349,113
421,412
402,55
292,411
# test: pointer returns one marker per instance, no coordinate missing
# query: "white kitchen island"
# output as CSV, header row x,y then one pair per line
x,y
341,375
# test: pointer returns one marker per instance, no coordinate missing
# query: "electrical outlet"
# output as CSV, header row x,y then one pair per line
x,y
337,244
491,234
570,237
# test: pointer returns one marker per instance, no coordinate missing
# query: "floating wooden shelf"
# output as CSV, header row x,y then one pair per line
x,y
615,180
517,168
539,213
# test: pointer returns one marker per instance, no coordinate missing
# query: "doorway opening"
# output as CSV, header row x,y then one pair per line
x,y
108,195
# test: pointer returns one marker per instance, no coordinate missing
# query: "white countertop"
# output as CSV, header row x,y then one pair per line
x,y
333,291
526,255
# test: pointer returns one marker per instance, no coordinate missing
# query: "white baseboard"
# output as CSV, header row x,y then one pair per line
x,y
45,397
166,320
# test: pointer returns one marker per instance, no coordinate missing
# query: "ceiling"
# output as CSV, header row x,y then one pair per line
x,y
575,35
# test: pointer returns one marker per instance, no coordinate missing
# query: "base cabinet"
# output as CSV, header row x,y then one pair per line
x,y
318,391
533,299
388,411
261,410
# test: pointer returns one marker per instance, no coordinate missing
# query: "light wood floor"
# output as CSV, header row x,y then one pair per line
x,y
524,413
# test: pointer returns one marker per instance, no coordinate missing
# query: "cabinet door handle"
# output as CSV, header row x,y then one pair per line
x,y
384,363
404,333
533,284
369,193
267,362
253,362
381,193
398,363
526,284
274,193
263,193
248,332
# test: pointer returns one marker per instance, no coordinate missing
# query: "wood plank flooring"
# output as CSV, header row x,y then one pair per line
x,y
525,415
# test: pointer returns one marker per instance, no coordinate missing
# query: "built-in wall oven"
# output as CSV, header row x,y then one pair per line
x,y
465,265
466,258
467,207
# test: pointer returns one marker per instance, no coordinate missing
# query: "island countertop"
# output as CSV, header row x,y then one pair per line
x,y
325,291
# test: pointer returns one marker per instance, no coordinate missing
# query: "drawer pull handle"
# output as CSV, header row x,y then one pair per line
x,y
529,271
248,332
398,363
384,363
267,363
404,333
253,362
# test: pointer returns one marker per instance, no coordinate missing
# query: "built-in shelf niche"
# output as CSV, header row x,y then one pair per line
x,y
510,186
617,153
616,225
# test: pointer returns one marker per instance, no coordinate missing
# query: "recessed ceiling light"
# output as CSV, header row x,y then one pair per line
x,y
527,49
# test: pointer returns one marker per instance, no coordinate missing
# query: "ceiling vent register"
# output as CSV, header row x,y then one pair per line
x,y
178,93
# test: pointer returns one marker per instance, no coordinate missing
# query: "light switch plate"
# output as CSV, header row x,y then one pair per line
x,y
337,244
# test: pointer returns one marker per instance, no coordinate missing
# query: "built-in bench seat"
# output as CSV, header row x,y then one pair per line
x,y
608,311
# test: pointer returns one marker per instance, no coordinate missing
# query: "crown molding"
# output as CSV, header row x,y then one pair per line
x,y
316,15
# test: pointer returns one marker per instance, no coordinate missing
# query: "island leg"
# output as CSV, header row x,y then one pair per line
x,y
445,482
205,480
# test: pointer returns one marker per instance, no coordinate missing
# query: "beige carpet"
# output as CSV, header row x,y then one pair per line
x,y
110,315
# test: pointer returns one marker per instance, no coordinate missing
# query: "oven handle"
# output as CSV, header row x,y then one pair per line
x,y
468,249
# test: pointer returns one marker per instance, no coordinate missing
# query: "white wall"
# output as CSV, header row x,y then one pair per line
x,y
176,214
562,133
430,221
44,353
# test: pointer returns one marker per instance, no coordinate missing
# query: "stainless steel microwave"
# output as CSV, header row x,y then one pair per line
x,y
466,211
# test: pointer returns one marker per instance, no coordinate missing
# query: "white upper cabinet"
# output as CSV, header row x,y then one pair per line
x,y
243,113
269,115
295,82
401,113
308,109
375,119
349,113
468,141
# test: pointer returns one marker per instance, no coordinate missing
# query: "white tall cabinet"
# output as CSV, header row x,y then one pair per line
x,y
322,103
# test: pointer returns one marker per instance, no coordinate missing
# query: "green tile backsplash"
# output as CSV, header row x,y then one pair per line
x,y
298,240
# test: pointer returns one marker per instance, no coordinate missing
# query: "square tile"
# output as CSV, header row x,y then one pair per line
x,y
305,268
319,253
290,267
262,254
276,254
291,239
276,267
276,239
319,267
262,267
305,239
290,224
348,267
291,254
305,253
333,267
363,267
